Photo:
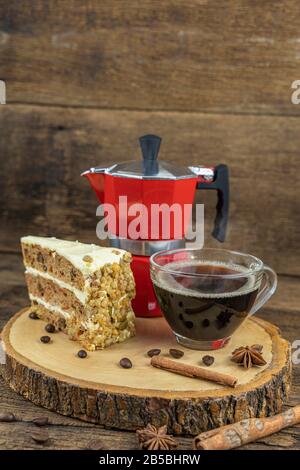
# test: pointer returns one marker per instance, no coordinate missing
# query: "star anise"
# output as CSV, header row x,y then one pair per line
x,y
153,438
248,356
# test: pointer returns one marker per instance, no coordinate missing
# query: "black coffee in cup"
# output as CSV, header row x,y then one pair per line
x,y
209,302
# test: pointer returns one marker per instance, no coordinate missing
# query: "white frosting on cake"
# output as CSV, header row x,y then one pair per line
x,y
51,307
76,251
81,295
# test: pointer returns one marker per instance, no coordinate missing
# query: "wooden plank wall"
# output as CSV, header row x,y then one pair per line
x,y
212,77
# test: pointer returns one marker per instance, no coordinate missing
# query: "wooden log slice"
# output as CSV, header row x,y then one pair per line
x,y
98,390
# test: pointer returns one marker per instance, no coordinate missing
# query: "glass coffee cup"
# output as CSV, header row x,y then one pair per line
x,y
206,294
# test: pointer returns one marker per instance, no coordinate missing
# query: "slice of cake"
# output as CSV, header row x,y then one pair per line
x,y
84,290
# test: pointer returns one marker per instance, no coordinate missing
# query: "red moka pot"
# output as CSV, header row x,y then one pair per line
x,y
139,193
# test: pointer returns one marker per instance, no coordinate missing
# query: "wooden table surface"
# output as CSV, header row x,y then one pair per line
x,y
67,433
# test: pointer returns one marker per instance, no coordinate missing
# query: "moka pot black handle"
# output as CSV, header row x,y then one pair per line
x,y
221,185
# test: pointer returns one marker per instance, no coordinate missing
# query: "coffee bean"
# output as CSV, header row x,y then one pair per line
x,y
6,417
94,444
125,363
176,353
33,316
208,360
45,339
40,421
50,328
82,354
87,259
40,437
153,352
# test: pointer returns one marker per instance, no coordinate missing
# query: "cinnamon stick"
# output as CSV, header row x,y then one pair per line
x,y
245,431
192,371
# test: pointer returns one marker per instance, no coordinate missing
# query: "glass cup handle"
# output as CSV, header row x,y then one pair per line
x,y
269,284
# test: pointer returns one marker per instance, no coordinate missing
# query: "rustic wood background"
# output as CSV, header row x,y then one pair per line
x,y
86,78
